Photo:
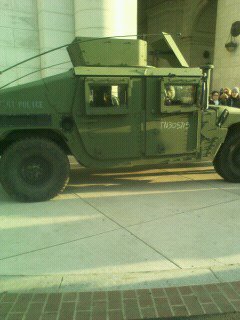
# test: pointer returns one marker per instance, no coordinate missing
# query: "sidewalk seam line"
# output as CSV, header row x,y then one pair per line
x,y
125,228
183,212
58,244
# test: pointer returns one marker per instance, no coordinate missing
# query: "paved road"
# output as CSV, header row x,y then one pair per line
x,y
132,228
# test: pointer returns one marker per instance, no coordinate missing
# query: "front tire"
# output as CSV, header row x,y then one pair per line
x,y
227,160
34,169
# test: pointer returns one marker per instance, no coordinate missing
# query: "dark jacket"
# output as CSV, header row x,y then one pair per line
x,y
234,102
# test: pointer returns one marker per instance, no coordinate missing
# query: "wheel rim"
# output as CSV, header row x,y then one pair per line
x,y
36,170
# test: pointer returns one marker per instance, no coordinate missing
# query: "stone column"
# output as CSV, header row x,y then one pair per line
x,y
18,40
105,18
226,64
56,28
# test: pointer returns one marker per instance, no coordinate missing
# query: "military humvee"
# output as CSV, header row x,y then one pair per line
x,y
112,109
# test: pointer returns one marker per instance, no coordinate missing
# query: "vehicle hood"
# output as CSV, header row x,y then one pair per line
x,y
47,95
232,118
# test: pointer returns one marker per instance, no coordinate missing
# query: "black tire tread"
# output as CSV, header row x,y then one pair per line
x,y
22,146
221,163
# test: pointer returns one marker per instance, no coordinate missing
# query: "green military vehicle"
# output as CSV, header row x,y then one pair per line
x,y
112,109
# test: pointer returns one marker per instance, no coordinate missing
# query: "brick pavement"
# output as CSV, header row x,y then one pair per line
x,y
156,303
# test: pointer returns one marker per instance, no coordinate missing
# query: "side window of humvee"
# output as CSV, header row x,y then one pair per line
x,y
184,95
108,96
104,96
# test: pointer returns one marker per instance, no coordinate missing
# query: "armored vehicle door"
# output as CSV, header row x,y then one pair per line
x,y
110,128
172,116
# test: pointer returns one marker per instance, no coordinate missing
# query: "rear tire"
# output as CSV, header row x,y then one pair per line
x,y
227,160
34,169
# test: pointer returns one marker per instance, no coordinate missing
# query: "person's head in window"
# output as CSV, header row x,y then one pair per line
x,y
169,94
107,99
97,97
101,96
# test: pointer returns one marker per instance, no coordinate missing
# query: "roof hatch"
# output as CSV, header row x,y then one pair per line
x,y
166,48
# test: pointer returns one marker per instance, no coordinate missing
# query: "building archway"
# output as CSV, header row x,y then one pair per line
x,y
194,20
203,33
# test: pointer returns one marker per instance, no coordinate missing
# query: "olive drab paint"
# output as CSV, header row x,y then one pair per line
x,y
112,109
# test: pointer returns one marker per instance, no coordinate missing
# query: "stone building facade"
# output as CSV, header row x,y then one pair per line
x,y
31,27
191,22
226,64
200,27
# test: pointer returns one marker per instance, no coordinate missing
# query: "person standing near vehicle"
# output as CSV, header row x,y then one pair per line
x,y
225,95
234,99
214,99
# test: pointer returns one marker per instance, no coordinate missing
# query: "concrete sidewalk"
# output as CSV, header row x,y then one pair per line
x,y
123,230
